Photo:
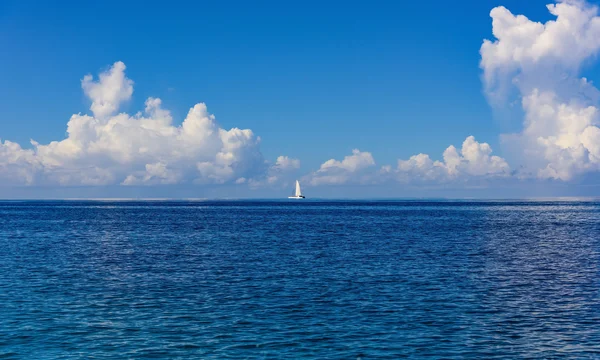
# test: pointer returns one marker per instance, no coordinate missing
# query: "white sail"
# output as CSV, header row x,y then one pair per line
x,y
297,193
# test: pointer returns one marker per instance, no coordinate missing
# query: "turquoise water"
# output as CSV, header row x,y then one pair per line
x,y
327,280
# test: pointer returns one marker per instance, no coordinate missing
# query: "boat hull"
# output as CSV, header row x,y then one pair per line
x,y
295,197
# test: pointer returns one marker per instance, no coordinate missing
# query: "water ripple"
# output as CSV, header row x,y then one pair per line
x,y
328,280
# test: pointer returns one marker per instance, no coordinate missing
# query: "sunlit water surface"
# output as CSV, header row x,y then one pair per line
x,y
302,279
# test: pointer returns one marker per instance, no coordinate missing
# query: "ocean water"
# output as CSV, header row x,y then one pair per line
x,y
301,279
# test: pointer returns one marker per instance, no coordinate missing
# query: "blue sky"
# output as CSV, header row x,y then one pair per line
x,y
313,80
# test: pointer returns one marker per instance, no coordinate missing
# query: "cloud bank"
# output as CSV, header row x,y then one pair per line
x,y
108,148
350,169
537,64
473,161
542,64
142,149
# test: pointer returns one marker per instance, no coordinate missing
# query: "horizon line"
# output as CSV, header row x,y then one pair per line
x,y
544,198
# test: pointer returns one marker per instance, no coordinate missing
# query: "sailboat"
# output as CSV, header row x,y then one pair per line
x,y
298,193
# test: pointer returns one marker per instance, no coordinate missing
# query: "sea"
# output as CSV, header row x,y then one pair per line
x,y
299,279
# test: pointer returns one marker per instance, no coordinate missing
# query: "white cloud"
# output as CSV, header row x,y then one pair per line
x,y
542,62
109,92
286,163
473,160
564,134
539,63
111,148
281,173
352,163
17,164
353,168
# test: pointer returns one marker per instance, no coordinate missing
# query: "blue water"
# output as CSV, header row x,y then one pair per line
x,y
327,280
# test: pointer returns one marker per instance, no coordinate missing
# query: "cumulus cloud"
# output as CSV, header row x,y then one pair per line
x,y
473,160
353,168
146,148
281,173
285,163
109,91
542,63
17,164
